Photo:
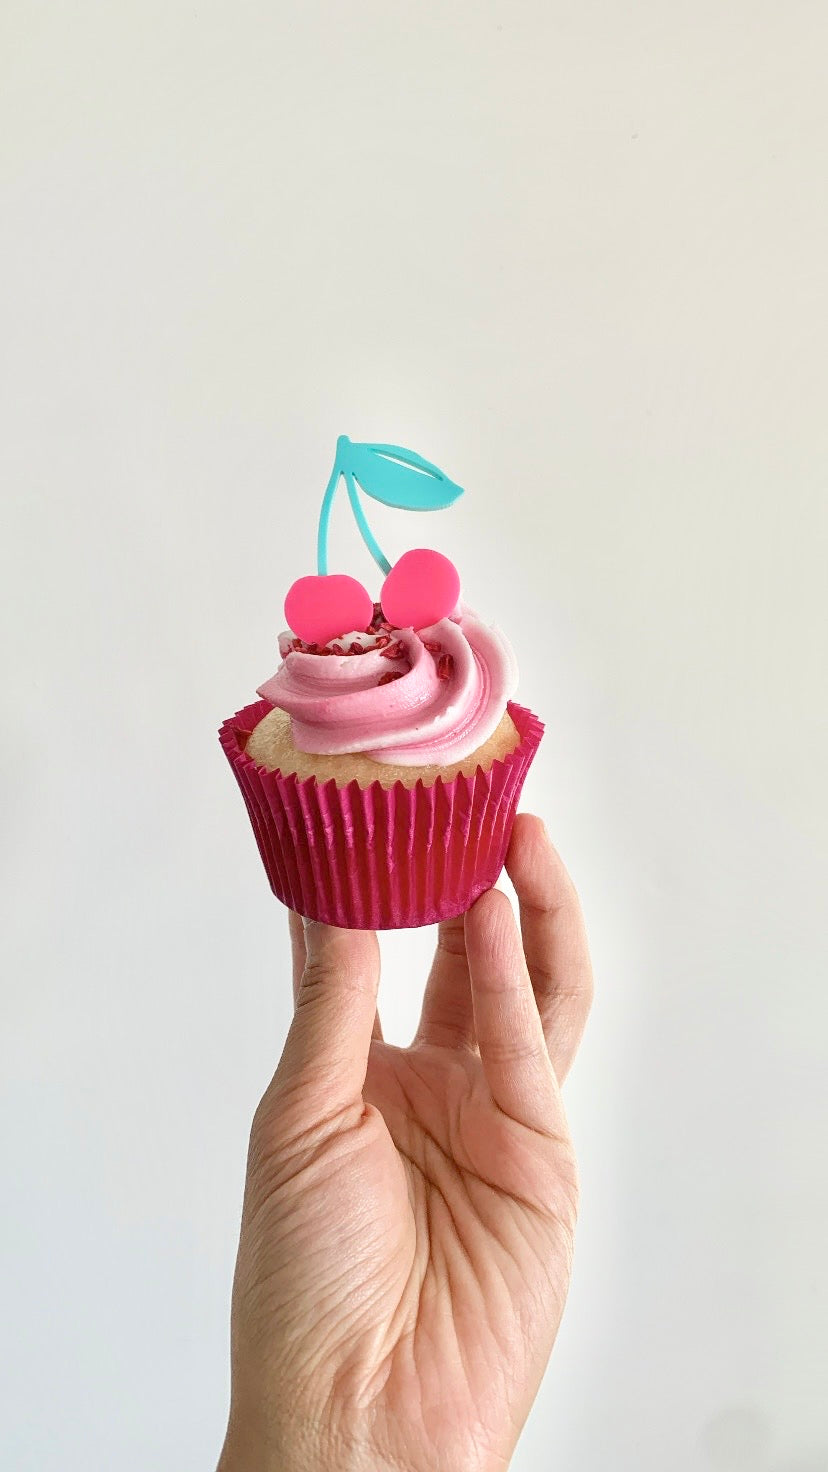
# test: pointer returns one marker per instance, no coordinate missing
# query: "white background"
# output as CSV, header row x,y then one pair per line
x,y
575,254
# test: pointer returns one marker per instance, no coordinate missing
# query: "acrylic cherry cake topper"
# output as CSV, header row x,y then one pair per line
x,y
422,587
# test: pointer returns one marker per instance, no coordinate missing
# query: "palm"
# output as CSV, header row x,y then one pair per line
x,y
475,1213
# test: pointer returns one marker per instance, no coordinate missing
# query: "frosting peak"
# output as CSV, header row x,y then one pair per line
x,y
411,698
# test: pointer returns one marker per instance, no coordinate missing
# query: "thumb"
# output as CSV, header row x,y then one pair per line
x,y
327,1045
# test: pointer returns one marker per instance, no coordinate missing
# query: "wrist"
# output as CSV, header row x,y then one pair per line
x,y
243,1452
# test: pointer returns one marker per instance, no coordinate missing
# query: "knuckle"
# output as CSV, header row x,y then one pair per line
x,y
451,937
511,1051
315,976
262,1125
278,1133
271,1116
319,979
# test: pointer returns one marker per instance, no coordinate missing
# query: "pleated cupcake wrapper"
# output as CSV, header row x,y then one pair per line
x,y
380,858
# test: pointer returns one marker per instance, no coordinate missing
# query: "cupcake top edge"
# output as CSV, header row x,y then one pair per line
x,y
412,697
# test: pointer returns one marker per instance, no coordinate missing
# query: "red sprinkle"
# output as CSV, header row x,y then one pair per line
x,y
379,622
432,646
389,676
445,667
394,651
334,649
382,641
355,648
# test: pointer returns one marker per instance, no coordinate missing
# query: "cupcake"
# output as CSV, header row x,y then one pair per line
x,y
382,765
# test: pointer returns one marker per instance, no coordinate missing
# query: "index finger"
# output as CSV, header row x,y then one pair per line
x,y
554,938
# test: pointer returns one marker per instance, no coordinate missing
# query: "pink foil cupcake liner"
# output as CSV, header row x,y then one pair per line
x,y
380,858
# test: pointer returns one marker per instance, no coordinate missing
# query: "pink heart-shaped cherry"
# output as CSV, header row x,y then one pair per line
x,y
421,588
320,608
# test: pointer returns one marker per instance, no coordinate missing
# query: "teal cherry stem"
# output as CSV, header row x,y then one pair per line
x,y
365,531
341,468
325,510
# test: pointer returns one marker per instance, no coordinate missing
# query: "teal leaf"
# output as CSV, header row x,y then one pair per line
x,y
398,477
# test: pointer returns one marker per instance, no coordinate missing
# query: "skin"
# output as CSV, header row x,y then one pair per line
x,y
408,1220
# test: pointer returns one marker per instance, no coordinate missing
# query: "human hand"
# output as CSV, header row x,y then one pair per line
x,y
407,1229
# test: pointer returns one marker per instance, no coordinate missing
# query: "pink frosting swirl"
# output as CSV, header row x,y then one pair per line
x,y
438,711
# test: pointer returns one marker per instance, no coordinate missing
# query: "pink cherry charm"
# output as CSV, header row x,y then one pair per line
x,y
320,608
421,588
